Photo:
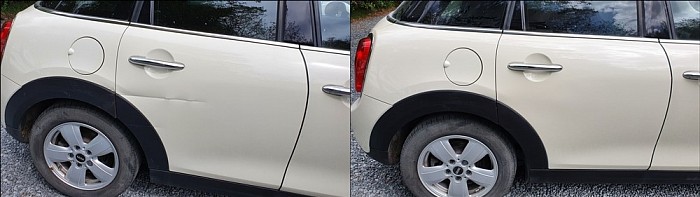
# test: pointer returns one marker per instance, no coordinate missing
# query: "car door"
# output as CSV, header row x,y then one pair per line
x,y
226,97
321,160
593,89
679,144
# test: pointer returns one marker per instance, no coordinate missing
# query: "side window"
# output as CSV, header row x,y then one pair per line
x,y
335,24
251,19
484,14
298,27
119,10
516,23
618,18
686,19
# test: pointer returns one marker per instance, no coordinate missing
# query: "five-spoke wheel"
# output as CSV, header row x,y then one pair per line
x,y
81,156
457,156
82,151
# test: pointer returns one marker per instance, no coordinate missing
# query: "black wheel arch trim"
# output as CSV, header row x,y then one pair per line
x,y
413,108
49,88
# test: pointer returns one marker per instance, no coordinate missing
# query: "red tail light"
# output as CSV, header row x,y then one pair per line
x,y
364,48
4,35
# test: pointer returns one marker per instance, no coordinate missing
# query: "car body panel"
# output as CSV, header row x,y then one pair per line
x,y
22,64
400,67
209,114
604,110
320,165
678,147
364,118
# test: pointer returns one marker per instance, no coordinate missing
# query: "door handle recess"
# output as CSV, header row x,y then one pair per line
x,y
143,61
692,75
336,90
535,67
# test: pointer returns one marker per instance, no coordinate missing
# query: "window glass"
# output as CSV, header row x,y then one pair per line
x,y
686,19
252,19
335,24
655,20
618,18
485,14
298,26
120,10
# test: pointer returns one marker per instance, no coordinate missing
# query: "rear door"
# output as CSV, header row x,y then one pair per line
x,y
593,89
679,144
226,97
320,165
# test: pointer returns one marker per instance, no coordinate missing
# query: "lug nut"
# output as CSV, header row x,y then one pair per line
x,y
70,154
458,178
469,172
89,163
88,152
448,171
452,161
77,147
465,162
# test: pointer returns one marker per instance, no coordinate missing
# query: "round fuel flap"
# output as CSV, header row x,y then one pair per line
x,y
86,55
463,66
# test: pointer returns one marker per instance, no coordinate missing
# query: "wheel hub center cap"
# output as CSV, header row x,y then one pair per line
x,y
80,158
458,170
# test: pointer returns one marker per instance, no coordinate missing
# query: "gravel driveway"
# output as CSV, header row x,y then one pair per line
x,y
371,178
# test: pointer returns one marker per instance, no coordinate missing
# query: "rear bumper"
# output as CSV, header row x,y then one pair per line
x,y
365,112
7,88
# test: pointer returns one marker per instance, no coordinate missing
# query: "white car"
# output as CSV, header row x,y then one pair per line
x,y
464,94
222,96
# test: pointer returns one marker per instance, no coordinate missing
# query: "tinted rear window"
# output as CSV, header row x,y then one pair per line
x,y
252,19
484,14
615,18
120,10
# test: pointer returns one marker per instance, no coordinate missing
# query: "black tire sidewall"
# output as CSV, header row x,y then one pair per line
x,y
56,115
438,127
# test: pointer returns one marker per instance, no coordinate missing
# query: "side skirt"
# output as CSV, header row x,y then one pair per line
x,y
615,176
212,185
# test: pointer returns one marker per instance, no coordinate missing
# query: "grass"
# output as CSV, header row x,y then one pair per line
x,y
10,8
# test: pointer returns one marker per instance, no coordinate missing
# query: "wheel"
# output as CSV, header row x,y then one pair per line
x,y
455,156
82,152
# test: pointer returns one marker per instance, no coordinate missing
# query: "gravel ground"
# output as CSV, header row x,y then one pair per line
x,y
20,178
371,178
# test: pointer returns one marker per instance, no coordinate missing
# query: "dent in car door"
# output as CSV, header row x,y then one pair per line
x,y
233,112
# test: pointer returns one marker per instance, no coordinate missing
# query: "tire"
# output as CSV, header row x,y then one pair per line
x,y
439,178
118,152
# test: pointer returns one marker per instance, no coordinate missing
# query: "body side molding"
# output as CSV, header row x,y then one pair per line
x,y
51,88
406,112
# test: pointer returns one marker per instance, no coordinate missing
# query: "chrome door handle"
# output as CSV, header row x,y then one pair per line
x,y
692,75
535,67
336,90
143,61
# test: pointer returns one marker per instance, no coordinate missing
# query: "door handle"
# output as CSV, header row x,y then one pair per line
x,y
336,90
535,67
692,75
143,61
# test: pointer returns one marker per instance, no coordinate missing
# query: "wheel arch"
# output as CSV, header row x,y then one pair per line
x,y
25,105
392,128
